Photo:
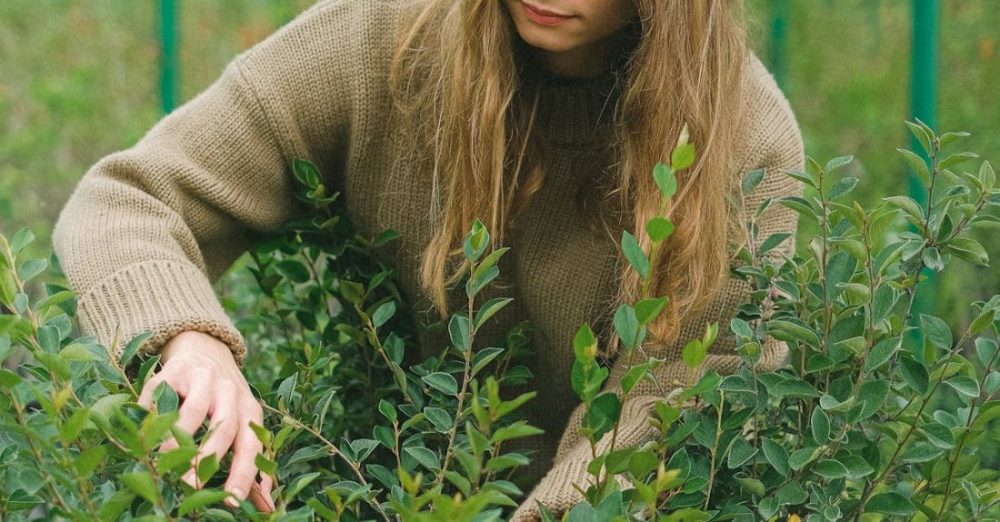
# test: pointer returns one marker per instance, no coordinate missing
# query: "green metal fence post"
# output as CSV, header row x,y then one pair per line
x,y
169,63
923,105
779,40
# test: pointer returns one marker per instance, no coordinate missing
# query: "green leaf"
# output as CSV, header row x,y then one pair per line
x,y
9,379
914,374
440,418
443,382
857,467
648,310
682,157
986,350
142,484
488,310
635,255
922,133
21,239
642,463
820,426
776,455
207,467
907,205
772,241
294,270
506,461
88,460
794,388
788,331
830,469
882,352
659,228
950,137
627,326
269,466
917,164
424,456
584,343
740,453
476,241
177,460
387,410
987,175
200,499
800,458
694,353
752,485
31,269
133,346
665,180
383,313
112,508
55,364
484,357
792,493
458,330
632,377
471,464
939,435
968,249
842,187
515,431
306,173
70,429
936,331
957,159
483,276
964,385
803,177
352,291
751,180
602,415
932,258
836,163
873,394
54,300
890,504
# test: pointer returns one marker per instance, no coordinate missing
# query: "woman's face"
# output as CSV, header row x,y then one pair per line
x,y
574,37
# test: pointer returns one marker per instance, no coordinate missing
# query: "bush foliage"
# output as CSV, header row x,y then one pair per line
x,y
878,414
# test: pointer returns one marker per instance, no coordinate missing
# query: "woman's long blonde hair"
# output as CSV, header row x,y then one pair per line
x,y
456,78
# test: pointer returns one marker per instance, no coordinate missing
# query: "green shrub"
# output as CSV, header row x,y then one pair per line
x,y
877,416
849,429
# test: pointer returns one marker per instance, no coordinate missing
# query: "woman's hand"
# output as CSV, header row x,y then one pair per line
x,y
202,371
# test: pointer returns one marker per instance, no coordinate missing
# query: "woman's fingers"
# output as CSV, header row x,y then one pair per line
x,y
175,381
194,408
266,485
243,470
223,427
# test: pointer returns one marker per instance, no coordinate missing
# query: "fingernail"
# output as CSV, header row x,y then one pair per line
x,y
235,492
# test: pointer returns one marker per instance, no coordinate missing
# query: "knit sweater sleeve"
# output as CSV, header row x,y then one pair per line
x,y
773,143
148,229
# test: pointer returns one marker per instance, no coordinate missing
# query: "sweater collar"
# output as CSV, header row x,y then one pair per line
x,y
577,113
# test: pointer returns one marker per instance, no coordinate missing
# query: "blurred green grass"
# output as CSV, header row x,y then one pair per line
x,y
80,80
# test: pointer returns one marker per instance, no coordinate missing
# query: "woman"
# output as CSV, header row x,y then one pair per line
x,y
541,117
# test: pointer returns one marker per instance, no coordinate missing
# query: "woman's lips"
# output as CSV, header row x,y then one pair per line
x,y
543,17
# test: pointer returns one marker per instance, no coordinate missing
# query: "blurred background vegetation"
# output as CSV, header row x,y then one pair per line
x,y
80,79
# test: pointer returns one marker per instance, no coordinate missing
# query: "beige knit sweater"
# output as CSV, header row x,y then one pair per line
x,y
148,229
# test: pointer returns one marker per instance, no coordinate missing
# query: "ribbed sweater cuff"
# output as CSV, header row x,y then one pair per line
x,y
162,297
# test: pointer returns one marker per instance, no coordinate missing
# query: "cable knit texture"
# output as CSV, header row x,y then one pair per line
x,y
149,228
